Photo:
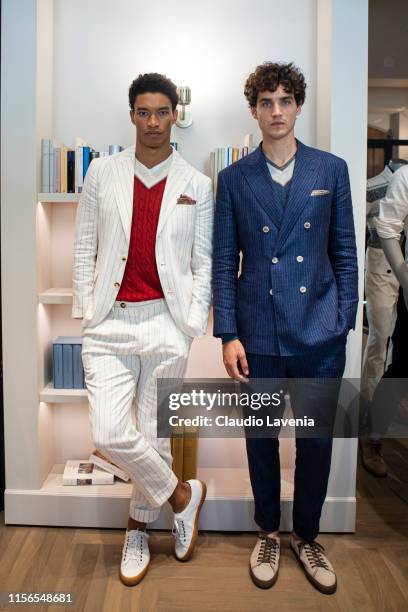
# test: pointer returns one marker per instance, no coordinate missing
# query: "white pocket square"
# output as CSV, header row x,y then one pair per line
x,y
320,192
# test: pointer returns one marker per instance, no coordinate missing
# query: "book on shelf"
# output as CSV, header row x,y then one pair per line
x,y
77,367
67,366
45,164
64,152
70,171
79,169
106,464
57,169
86,160
68,371
83,472
222,157
63,169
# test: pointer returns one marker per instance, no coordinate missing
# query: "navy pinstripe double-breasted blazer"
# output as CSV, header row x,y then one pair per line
x,y
298,287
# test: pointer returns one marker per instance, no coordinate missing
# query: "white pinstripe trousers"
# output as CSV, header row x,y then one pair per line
x,y
123,356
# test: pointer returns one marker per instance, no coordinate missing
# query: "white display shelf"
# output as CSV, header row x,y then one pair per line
x,y
58,198
229,505
55,295
63,396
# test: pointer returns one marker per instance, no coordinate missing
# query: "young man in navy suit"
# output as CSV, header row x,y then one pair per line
x,y
287,209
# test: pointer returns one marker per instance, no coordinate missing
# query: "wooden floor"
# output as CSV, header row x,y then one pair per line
x,y
371,565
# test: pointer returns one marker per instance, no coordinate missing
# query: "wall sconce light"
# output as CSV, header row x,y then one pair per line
x,y
184,118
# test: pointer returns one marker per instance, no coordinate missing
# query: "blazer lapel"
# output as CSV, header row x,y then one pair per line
x,y
123,169
259,179
179,176
303,180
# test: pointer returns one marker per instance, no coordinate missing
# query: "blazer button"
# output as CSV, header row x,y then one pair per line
x,y
299,258
123,258
122,305
117,285
307,225
265,229
275,260
270,292
302,289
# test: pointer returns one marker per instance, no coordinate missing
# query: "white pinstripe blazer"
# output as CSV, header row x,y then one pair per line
x,y
183,241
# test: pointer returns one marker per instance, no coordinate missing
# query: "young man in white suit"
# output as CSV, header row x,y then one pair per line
x,y
142,285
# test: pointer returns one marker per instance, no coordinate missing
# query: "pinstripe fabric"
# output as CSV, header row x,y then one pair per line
x,y
126,349
183,241
123,356
299,270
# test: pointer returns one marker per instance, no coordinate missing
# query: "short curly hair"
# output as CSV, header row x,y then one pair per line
x,y
153,82
269,75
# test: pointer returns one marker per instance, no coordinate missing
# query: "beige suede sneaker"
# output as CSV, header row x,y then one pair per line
x,y
264,561
318,569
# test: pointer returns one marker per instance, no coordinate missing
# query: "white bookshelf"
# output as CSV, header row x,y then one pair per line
x,y
63,396
55,295
59,198
41,423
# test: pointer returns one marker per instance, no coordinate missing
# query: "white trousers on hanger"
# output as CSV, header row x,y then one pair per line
x,y
123,356
381,289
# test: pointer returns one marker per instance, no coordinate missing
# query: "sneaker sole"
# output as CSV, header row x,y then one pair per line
x,y
194,537
320,587
133,580
263,584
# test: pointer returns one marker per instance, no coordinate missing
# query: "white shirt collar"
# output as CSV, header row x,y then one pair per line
x,y
151,176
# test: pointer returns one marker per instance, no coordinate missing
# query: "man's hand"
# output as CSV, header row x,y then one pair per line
x,y
233,354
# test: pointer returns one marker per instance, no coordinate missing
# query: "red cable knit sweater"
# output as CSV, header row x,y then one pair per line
x,y
141,280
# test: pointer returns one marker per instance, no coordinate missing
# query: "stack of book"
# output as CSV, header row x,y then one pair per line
x,y
97,470
64,169
82,472
68,372
222,157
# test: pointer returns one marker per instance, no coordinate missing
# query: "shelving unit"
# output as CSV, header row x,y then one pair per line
x,y
55,295
43,426
59,198
63,396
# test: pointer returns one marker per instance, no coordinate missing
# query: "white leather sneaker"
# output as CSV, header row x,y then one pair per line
x,y
135,557
318,569
264,561
185,529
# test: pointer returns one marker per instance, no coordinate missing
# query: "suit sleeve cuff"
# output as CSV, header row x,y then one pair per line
x,y
228,337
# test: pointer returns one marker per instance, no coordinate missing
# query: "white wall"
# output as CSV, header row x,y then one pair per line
x,y
100,48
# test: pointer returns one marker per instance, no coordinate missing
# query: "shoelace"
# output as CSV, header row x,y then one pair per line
x,y
133,548
179,530
314,553
268,550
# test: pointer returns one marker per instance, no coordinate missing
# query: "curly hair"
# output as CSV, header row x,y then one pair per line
x,y
269,75
153,82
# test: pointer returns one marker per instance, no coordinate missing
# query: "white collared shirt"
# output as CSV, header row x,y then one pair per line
x,y
151,176
393,216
